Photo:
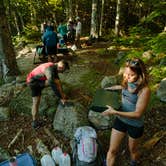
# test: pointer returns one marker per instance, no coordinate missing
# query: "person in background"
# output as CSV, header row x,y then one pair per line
x,y
71,31
78,32
43,27
44,75
50,40
129,119
62,30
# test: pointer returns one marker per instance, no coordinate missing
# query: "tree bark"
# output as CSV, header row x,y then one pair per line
x,y
101,18
117,21
7,54
94,20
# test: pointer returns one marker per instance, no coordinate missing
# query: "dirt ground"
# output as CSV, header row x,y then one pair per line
x,y
153,143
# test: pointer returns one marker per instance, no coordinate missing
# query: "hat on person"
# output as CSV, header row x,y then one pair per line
x,y
70,20
77,18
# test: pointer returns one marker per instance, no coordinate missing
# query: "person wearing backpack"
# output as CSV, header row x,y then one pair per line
x,y
50,40
129,120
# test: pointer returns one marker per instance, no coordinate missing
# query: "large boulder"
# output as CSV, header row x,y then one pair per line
x,y
4,155
161,92
99,121
111,80
4,113
68,117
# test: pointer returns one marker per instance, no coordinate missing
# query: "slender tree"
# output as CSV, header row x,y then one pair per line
x,y
117,21
101,18
94,32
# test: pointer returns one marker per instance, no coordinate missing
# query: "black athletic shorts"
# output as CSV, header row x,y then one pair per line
x,y
51,50
134,132
36,87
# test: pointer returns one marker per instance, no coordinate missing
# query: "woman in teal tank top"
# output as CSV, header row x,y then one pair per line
x,y
129,120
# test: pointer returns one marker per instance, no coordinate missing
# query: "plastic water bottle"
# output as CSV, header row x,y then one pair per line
x,y
56,153
65,160
47,160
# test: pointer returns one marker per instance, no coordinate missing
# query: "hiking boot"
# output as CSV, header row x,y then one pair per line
x,y
37,124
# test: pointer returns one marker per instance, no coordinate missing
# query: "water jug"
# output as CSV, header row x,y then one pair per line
x,y
47,160
65,160
56,153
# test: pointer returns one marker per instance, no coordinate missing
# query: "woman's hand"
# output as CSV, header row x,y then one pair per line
x,y
109,111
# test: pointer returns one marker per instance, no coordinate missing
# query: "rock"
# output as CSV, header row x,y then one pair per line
x,y
163,62
110,80
161,92
99,121
4,155
4,113
148,54
68,117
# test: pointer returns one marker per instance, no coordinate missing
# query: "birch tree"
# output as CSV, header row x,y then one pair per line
x,y
117,20
94,31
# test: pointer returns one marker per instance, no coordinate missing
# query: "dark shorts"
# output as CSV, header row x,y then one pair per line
x,y
51,50
36,88
134,132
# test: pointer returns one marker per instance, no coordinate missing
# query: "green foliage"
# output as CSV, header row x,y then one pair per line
x,y
32,33
158,43
139,30
106,52
131,41
157,73
154,99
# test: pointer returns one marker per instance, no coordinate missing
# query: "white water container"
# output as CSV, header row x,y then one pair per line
x,y
56,153
47,160
65,160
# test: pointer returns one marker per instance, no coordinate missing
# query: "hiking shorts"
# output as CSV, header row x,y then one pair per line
x,y
36,87
133,132
51,50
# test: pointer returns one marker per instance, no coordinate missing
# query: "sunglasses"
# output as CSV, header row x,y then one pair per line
x,y
132,63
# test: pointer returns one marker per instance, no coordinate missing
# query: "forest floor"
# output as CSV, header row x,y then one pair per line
x,y
153,143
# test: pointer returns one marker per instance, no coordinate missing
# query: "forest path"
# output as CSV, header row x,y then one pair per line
x,y
153,155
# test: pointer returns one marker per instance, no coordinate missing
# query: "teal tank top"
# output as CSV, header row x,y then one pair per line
x,y
129,101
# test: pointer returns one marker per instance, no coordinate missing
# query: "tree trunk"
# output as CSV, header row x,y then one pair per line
x,y
117,21
101,18
7,55
94,20
16,23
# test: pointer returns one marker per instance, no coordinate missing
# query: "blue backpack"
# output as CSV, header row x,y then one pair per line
x,y
24,159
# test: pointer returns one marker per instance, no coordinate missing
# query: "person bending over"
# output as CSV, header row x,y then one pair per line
x,y
44,75
135,98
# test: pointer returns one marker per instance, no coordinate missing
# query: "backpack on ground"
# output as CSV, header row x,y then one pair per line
x,y
86,149
24,159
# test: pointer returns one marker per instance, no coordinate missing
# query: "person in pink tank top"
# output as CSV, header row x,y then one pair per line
x,y
44,75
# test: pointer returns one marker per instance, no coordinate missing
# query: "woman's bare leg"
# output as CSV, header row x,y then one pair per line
x,y
115,140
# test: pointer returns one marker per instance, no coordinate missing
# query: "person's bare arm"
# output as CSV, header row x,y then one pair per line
x,y
114,87
54,83
59,87
141,106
